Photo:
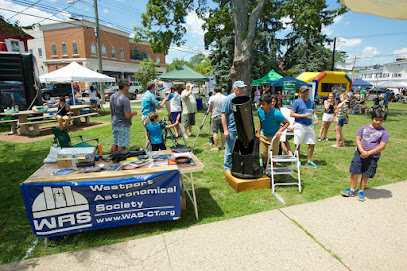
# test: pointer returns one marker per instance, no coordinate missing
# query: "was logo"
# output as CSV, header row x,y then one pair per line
x,y
60,210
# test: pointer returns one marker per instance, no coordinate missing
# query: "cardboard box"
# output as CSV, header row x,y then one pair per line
x,y
67,162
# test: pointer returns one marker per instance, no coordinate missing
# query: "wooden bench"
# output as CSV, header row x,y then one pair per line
x,y
86,116
36,126
13,124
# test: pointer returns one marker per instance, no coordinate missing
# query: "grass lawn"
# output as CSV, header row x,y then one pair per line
x,y
216,199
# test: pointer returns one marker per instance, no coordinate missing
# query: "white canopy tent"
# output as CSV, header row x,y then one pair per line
x,y
75,73
390,84
393,9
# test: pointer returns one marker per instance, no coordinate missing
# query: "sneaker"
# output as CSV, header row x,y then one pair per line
x,y
319,139
361,195
326,139
191,134
185,136
348,193
311,164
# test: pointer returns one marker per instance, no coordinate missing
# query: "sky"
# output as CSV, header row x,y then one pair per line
x,y
367,39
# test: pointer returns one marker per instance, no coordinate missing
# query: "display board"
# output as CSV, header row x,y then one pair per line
x,y
60,208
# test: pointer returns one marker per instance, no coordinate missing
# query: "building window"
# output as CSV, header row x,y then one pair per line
x,y
15,46
75,48
104,50
149,57
158,60
40,52
64,52
113,53
54,50
93,49
121,53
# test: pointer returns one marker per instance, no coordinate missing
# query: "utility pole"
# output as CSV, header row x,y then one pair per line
x,y
333,56
100,67
353,68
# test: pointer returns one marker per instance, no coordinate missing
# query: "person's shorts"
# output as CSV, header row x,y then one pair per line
x,y
367,167
157,147
189,119
121,136
304,134
385,102
216,124
265,142
327,117
93,101
174,116
341,122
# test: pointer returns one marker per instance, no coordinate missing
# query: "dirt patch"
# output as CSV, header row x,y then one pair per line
x,y
46,132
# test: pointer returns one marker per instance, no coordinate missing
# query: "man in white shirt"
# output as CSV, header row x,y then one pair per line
x,y
215,106
188,108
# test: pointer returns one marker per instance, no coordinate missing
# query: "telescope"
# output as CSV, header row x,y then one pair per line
x,y
245,155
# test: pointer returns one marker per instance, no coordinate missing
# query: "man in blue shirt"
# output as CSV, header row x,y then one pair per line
x,y
387,97
228,122
149,103
302,111
270,121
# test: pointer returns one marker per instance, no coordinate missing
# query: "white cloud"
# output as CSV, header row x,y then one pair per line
x,y
370,51
401,52
194,24
343,44
105,10
338,19
53,1
25,19
327,30
286,21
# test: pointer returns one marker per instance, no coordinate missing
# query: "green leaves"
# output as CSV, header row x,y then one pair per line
x,y
147,72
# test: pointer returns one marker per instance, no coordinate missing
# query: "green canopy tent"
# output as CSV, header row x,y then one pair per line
x,y
270,77
184,73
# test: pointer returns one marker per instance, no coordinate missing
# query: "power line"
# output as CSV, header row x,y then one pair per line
x,y
33,4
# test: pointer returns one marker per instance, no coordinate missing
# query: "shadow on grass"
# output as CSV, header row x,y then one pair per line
x,y
378,193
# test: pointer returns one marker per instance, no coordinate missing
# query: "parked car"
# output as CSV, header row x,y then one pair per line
x,y
135,88
56,90
109,92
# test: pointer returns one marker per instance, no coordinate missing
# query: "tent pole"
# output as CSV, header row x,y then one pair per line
x,y
73,94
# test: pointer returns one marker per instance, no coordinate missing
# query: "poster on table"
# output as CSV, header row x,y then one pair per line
x,y
60,208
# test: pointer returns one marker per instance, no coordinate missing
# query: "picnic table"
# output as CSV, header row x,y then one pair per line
x,y
28,119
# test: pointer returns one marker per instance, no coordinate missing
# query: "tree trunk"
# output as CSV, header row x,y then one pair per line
x,y
245,27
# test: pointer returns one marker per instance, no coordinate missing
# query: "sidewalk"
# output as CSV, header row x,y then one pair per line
x,y
332,234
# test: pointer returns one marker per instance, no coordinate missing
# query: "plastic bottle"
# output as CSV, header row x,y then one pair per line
x,y
100,149
16,108
74,159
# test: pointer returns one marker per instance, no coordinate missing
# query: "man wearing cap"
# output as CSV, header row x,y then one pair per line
x,y
149,103
228,122
189,108
301,110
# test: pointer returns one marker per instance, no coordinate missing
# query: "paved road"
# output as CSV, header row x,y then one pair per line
x,y
332,234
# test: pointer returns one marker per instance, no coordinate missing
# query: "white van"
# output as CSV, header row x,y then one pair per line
x,y
135,88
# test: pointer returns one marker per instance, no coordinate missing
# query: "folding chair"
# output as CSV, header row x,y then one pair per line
x,y
64,140
271,170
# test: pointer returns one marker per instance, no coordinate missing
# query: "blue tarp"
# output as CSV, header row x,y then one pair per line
x,y
361,83
279,82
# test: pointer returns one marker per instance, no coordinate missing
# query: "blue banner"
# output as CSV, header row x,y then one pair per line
x,y
60,208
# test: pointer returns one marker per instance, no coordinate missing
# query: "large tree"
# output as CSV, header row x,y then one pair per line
x,y
164,22
306,39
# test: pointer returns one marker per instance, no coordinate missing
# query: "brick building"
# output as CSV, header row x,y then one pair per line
x,y
56,45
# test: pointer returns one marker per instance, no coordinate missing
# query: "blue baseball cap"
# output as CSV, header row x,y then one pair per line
x,y
239,84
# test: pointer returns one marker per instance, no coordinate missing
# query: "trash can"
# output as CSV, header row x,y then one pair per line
x,y
199,104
